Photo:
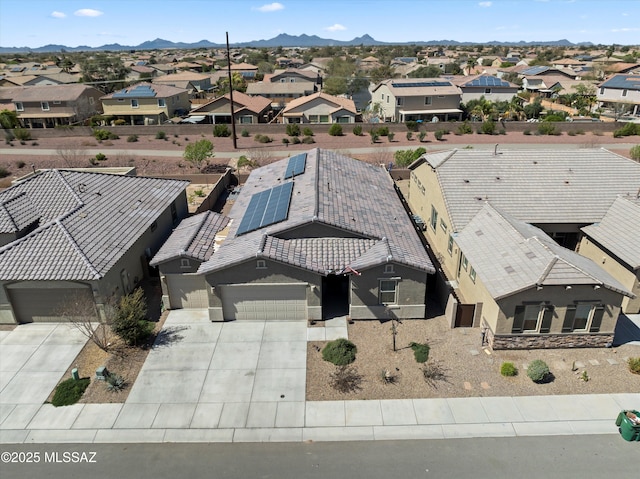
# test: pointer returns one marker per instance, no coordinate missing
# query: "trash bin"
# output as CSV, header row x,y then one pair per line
x,y
629,424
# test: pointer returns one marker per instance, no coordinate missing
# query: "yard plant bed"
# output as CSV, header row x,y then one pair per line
x,y
468,370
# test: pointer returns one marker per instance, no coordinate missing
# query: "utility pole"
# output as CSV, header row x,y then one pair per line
x,y
233,117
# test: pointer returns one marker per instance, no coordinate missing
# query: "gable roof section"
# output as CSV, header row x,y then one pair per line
x,y
17,213
255,104
337,102
536,186
146,90
52,93
88,221
355,199
511,256
623,82
619,230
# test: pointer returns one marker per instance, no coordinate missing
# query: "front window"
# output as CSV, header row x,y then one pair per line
x,y
45,105
161,103
434,218
19,106
450,245
624,92
399,101
582,318
427,100
134,103
343,119
472,274
388,290
246,119
532,319
487,91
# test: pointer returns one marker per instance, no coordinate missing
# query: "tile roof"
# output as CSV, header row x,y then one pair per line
x,y
536,186
619,230
256,104
356,199
445,87
161,91
195,237
510,256
339,102
87,222
17,213
52,93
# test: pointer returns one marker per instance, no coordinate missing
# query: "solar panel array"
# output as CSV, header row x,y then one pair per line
x,y
140,91
420,84
487,81
266,208
296,165
535,70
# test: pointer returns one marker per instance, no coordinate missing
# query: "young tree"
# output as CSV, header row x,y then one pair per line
x,y
8,119
198,153
130,321
81,312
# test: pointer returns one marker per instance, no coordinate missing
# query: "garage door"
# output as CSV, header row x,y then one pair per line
x,y
50,304
187,291
265,301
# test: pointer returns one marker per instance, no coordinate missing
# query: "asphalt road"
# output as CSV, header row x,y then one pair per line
x,y
562,457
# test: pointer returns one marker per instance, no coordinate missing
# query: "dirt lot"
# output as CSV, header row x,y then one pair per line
x,y
468,370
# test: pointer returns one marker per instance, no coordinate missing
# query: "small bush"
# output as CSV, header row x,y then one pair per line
x,y
115,383
102,135
422,135
296,140
308,140
262,139
488,128
335,130
571,133
199,193
20,164
132,138
357,130
4,172
307,131
293,129
526,132
433,372
629,129
161,135
420,352
406,157
221,131
130,323
538,371
374,135
69,391
634,365
244,161
465,129
634,152
244,133
409,136
101,157
548,128
119,122
383,131
439,134
285,141
22,134
391,136
346,379
508,369
411,125
340,352
8,137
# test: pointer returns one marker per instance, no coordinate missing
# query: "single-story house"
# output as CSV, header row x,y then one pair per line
x,y
320,108
70,235
314,236
246,109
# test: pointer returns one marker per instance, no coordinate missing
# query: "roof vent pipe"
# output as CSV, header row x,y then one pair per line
x,y
495,150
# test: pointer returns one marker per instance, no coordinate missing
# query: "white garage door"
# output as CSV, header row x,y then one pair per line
x,y
187,291
265,301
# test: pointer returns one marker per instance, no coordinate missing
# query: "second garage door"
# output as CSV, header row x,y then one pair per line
x,y
265,301
187,291
50,304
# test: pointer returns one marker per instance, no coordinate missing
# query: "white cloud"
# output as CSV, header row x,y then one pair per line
x,y
270,7
485,4
336,28
58,15
88,12
617,30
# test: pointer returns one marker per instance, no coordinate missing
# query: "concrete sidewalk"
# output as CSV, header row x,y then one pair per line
x,y
245,382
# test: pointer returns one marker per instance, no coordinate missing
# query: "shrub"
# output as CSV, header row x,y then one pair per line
x,y
488,128
244,133
411,125
526,132
161,135
119,122
406,157
262,139
634,365
548,128
296,140
285,141
130,320
571,133
293,129
383,131
508,369
346,379
69,391
22,134
335,130
374,135
308,140
102,135
307,131
554,117
132,138
634,152
433,372
439,134
115,383
244,161
465,129
420,352
538,371
221,131
8,136
409,136
629,129
101,157
422,135
4,172
357,130
199,193
20,164
340,352
391,136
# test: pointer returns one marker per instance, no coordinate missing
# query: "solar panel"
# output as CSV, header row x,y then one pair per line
x,y
488,81
296,165
266,208
140,91
420,84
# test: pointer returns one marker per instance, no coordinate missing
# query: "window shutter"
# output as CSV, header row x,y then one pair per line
x,y
569,316
597,320
547,317
518,320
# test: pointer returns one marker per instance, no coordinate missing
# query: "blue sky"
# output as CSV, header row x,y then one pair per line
x,y
35,23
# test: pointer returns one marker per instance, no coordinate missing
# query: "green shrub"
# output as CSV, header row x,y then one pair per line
x,y
130,320
199,193
439,134
4,172
420,352
293,129
285,141
102,135
526,132
244,133
101,157
69,391
629,129
488,128
161,135
132,138
422,135
307,131
383,131
22,134
115,383
20,164
409,136
554,117
308,140
548,128
221,131
634,365
465,129
8,136
571,133
345,379
340,352
634,152
296,140
374,135
411,125
406,157
357,130
508,369
391,136
538,371
244,161
262,139
335,130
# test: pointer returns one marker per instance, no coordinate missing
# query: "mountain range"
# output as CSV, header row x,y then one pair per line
x,y
282,40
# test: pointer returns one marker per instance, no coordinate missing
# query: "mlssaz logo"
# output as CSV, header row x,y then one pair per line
x,y
70,457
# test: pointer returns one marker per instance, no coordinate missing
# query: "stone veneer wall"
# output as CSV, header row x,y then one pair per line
x,y
549,341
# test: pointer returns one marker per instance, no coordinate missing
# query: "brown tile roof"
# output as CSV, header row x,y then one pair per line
x,y
52,92
340,102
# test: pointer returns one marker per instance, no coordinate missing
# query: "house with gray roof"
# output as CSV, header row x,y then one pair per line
x,y
614,243
555,193
314,236
620,91
68,235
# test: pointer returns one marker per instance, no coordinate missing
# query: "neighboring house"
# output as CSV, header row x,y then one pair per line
x,y
68,236
141,72
490,87
557,192
426,99
320,108
621,91
147,104
50,106
246,70
247,109
284,86
315,236
198,84
614,244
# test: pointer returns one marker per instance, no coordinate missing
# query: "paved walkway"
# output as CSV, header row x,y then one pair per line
x,y
245,382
